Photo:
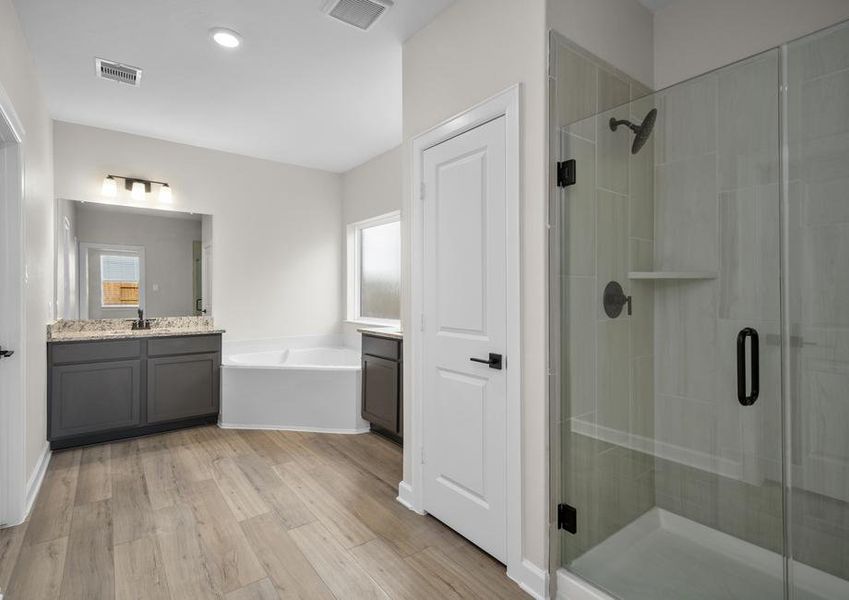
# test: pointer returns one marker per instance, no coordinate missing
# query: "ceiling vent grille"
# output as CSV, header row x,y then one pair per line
x,y
362,14
113,71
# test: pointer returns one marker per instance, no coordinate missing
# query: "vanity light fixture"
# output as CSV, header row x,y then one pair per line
x,y
110,187
138,188
226,38
165,194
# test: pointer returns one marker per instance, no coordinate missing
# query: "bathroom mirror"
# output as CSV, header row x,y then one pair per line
x,y
114,260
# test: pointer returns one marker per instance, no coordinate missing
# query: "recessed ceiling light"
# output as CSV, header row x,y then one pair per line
x,y
226,37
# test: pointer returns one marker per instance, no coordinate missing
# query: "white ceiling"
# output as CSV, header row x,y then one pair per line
x,y
303,88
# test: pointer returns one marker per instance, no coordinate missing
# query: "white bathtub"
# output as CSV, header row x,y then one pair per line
x,y
298,389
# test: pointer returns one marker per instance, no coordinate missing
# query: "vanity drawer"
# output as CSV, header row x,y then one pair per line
x,y
382,347
81,352
196,344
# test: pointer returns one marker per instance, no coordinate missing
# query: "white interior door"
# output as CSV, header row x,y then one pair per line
x,y
465,318
12,475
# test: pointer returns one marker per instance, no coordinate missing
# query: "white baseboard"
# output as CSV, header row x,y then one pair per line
x,y
36,479
293,428
532,579
405,497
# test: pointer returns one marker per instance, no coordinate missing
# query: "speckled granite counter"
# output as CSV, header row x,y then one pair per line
x,y
110,329
392,333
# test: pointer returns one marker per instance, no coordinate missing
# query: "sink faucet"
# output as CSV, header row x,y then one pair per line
x,y
141,323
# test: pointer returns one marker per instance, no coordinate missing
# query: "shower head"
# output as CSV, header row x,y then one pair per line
x,y
642,131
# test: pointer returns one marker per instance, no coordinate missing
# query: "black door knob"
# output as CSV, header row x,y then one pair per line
x,y
6,353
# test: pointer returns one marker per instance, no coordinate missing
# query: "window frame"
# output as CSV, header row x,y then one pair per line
x,y
354,264
102,281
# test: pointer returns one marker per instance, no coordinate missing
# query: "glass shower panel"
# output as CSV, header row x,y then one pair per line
x,y
670,295
817,207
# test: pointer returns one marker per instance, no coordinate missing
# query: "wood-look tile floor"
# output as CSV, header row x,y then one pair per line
x,y
239,515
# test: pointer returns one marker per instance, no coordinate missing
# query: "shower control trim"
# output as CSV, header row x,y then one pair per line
x,y
614,300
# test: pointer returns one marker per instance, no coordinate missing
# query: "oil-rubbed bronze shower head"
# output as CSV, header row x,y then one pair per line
x,y
642,131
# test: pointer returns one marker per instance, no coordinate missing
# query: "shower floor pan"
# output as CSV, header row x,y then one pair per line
x,y
662,556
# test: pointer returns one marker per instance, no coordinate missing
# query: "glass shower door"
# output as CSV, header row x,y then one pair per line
x,y
671,413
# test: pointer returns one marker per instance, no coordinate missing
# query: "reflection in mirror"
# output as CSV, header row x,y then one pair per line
x,y
112,261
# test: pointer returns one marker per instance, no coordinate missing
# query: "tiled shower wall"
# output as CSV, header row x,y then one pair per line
x,y
607,230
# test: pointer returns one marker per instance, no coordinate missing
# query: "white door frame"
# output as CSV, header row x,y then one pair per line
x,y
13,476
411,493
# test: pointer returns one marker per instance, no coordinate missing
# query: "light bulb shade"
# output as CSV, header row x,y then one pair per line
x,y
138,190
110,187
165,194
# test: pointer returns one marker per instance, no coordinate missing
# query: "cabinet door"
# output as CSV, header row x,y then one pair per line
x,y
179,387
94,397
380,392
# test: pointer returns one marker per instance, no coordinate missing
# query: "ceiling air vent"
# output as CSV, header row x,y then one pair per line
x,y
362,14
107,69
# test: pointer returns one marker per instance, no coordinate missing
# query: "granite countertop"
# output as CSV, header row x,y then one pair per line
x,y
77,336
393,333
111,329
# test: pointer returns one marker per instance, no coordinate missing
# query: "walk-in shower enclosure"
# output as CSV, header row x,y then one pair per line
x,y
700,327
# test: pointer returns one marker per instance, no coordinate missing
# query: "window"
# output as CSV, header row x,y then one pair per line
x,y
374,270
119,280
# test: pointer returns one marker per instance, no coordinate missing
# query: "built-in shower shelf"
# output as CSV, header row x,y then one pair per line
x,y
672,275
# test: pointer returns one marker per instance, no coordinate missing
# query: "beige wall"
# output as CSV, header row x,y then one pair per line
x,y
372,189
17,79
694,36
616,31
470,52
268,218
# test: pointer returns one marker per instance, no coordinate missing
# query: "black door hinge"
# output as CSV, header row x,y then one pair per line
x,y
567,518
566,173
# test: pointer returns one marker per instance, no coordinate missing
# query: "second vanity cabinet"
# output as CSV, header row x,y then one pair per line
x,y
382,403
105,390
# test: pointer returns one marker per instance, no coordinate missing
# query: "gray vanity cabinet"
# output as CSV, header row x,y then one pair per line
x,y
93,397
182,386
106,390
382,385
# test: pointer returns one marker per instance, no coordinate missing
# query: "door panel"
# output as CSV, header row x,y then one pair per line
x,y
461,243
465,317
460,407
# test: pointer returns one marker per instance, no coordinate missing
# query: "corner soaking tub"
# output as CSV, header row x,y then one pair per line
x,y
298,389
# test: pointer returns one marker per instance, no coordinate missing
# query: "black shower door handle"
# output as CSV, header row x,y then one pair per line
x,y
745,400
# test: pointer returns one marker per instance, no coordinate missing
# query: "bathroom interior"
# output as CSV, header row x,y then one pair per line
x,y
218,294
